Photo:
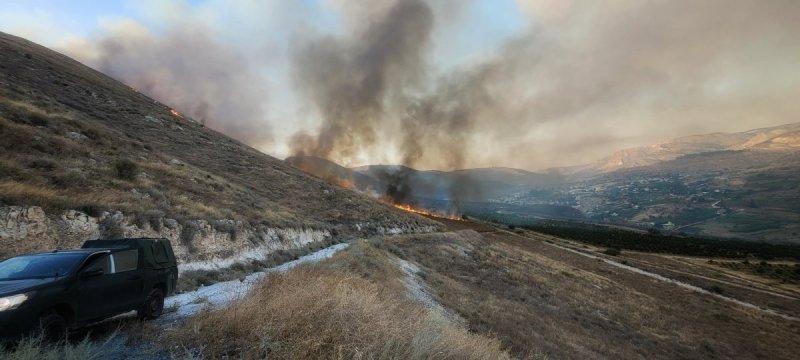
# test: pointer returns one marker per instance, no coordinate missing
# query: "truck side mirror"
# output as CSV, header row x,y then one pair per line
x,y
92,272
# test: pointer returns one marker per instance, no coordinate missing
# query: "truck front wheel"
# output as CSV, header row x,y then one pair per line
x,y
51,327
153,305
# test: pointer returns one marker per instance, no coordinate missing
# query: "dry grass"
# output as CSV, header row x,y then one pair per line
x,y
544,302
38,349
328,312
16,192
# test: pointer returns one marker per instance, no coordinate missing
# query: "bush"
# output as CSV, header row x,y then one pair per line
x,y
150,217
111,228
70,179
125,169
188,233
91,210
225,226
43,164
612,252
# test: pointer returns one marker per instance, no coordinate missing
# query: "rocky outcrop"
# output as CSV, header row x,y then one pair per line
x,y
23,229
198,244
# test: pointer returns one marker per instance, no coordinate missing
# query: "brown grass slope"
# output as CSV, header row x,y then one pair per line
x,y
352,306
545,302
67,134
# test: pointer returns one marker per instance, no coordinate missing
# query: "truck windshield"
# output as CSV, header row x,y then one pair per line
x,y
39,266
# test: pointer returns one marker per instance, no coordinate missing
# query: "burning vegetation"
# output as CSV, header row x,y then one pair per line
x,y
398,186
425,212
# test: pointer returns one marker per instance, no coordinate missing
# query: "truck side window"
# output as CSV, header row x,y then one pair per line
x,y
101,262
159,252
125,260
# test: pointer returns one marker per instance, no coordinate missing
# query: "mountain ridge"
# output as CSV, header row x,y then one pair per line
x,y
784,137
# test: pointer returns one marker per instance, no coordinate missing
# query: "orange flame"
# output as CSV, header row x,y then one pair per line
x,y
411,209
343,183
175,113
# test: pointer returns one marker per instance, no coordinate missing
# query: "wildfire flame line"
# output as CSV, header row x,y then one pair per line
x,y
411,209
175,113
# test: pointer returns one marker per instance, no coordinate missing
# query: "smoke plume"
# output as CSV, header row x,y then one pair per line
x,y
189,70
583,79
364,82
351,81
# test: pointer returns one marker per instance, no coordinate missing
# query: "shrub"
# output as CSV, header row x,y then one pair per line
x,y
225,226
42,164
90,209
38,120
188,233
150,217
70,179
612,252
9,169
125,169
111,228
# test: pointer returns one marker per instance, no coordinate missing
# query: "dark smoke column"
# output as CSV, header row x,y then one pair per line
x,y
352,82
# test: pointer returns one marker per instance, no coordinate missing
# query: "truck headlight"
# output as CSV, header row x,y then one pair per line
x,y
14,301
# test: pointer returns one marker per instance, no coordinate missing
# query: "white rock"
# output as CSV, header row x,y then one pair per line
x,y
77,136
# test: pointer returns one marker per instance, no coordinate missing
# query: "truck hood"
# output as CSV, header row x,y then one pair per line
x,y
11,287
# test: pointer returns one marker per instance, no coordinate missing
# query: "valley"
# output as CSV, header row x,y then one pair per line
x,y
400,179
740,194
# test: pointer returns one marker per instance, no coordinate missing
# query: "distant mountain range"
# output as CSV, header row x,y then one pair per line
x,y
489,182
743,185
779,138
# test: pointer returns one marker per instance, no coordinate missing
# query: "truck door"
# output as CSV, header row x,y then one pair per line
x,y
130,289
93,292
118,290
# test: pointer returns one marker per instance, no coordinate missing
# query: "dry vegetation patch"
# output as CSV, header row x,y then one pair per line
x,y
545,302
329,311
39,349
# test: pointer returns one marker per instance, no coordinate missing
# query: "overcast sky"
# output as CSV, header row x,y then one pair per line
x,y
442,83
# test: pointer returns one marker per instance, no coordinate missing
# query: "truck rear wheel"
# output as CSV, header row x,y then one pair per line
x,y
51,327
153,305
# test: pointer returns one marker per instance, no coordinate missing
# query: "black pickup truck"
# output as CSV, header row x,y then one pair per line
x,y
50,293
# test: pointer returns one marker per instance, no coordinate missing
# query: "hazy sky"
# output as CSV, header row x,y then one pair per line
x,y
442,83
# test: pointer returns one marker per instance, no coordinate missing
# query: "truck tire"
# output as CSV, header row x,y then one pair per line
x,y
153,305
51,327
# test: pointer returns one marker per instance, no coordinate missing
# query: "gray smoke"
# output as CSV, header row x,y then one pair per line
x,y
580,80
593,77
362,83
351,81
190,71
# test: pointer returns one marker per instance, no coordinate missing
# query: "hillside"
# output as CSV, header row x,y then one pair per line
x,y
412,185
84,155
779,138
